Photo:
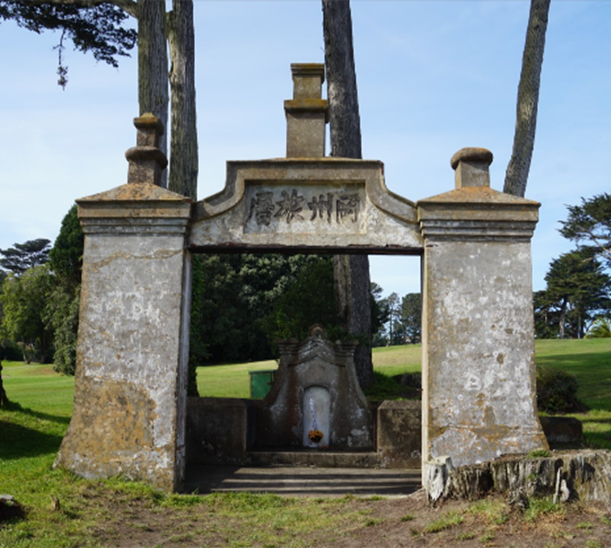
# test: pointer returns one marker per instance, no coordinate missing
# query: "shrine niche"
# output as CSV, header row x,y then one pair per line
x,y
316,391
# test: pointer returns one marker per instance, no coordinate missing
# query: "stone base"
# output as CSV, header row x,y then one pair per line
x,y
217,430
320,459
562,431
399,434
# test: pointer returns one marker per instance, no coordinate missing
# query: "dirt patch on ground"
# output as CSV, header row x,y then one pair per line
x,y
350,522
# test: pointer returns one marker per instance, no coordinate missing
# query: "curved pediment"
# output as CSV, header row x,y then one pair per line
x,y
325,204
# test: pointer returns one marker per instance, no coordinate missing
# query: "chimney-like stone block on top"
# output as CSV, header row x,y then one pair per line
x,y
471,166
306,113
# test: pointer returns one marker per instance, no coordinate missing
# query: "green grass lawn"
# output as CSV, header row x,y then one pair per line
x,y
589,360
232,380
31,432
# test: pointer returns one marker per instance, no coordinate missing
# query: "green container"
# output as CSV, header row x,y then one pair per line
x,y
261,382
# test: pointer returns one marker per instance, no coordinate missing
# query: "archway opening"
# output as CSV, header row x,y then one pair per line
x,y
223,424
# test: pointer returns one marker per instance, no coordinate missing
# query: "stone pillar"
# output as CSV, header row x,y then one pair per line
x,y
478,366
131,375
307,113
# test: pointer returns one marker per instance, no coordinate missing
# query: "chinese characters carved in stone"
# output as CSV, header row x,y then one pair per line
x,y
289,206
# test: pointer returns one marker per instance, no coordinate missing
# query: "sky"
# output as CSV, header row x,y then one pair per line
x,y
433,77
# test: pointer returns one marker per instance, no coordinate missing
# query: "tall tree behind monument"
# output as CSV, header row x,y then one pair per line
x,y
183,148
351,271
516,176
96,27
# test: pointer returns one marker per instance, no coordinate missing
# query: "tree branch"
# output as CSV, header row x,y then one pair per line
x,y
606,252
129,6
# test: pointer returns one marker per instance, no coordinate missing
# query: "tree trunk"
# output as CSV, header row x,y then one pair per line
x,y
345,122
562,320
351,274
3,399
183,147
565,476
153,95
516,176
351,271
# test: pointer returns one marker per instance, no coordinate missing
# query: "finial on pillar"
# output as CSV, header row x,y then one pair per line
x,y
146,161
307,113
472,167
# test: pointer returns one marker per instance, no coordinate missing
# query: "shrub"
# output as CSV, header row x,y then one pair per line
x,y
557,391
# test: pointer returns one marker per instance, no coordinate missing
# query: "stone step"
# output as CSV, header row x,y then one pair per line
x,y
321,459
294,481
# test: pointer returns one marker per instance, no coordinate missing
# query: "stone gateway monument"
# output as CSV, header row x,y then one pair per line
x,y
478,346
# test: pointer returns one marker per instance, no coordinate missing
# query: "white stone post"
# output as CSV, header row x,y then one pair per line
x,y
478,345
130,396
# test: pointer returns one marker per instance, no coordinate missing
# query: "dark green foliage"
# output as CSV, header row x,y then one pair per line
x,y
217,303
62,309
578,289
95,29
546,315
66,256
242,303
407,386
591,222
557,391
234,298
63,316
23,301
402,319
395,334
411,317
10,351
41,303
379,315
198,353
20,257
384,388
264,279
577,293
307,300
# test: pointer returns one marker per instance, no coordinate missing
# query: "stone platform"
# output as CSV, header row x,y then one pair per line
x,y
321,459
301,481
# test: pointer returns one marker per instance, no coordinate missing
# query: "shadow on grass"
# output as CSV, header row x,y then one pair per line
x,y
21,441
13,406
597,440
10,511
585,418
578,361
